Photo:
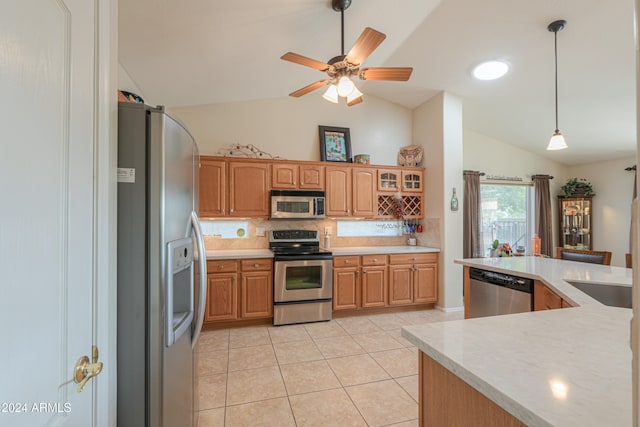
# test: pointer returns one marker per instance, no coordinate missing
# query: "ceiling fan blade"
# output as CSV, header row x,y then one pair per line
x,y
368,41
399,74
310,88
303,60
356,101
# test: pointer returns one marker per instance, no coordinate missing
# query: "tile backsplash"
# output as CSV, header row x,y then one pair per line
x,y
219,234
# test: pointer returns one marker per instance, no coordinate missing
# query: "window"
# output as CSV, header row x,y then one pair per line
x,y
507,215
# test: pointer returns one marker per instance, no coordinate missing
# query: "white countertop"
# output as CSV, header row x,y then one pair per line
x,y
373,250
518,360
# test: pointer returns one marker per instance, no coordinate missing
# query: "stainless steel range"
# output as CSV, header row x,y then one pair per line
x,y
302,277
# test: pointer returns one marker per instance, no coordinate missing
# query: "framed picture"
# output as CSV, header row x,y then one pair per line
x,y
335,144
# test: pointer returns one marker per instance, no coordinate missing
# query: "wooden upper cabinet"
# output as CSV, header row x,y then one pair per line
x,y
365,201
338,191
312,177
249,189
294,176
389,180
212,184
284,175
412,181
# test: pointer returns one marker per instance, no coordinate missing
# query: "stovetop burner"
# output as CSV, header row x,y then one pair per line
x,y
296,243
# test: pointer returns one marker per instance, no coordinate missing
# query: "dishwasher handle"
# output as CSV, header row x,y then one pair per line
x,y
505,280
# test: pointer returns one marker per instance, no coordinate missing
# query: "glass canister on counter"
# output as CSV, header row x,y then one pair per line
x,y
536,244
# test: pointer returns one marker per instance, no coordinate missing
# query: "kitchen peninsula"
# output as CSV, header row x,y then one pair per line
x,y
565,367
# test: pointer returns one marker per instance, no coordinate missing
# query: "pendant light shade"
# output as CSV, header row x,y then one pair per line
x,y
557,141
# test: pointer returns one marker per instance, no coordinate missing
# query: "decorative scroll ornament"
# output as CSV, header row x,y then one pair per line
x,y
410,155
249,150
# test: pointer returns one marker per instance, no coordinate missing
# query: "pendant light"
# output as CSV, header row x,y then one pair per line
x,y
557,141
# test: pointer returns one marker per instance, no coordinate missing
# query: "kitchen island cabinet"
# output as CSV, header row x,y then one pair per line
x,y
575,371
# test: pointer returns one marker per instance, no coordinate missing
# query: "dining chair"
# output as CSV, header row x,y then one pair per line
x,y
593,257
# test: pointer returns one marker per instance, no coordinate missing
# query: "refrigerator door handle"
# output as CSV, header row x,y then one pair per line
x,y
202,295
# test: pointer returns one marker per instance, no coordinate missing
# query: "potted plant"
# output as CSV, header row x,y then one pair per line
x,y
494,249
577,187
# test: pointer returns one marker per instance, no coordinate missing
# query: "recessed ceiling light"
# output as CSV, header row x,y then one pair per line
x,y
490,70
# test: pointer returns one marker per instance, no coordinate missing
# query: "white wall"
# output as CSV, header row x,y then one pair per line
x,y
494,157
611,220
125,82
437,127
288,127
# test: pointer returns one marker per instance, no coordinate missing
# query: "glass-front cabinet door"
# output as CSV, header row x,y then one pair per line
x,y
575,214
388,180
412,181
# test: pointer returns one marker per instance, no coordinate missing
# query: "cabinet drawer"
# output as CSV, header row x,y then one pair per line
x,y
346,261
222,266
374,259
413,258
257,264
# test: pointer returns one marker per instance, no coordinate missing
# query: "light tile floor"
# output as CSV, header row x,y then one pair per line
x,y
354,371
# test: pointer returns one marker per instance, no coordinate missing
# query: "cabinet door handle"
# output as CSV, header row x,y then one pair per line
x,y
231,210
364,271
221,266
346,261
375,260
256,265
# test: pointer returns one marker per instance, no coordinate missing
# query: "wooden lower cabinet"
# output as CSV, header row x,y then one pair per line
x,y
413,279
545,299
446,400
346,287
222,290
374,286
369,281
239,290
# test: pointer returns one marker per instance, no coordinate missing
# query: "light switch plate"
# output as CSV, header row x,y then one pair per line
x,y
327,231
260,231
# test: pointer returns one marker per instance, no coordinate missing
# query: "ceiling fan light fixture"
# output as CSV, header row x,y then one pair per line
x,y
331,94
345,86
355,94
557,142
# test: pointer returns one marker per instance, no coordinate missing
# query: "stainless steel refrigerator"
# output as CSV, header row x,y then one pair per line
x,y
160,305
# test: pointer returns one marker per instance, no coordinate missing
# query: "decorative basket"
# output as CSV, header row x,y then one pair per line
x,y
410,155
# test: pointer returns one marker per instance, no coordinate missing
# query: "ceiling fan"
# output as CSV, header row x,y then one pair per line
x,y
343,68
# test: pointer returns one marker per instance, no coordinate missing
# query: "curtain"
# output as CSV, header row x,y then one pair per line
x,y
543,213
472,228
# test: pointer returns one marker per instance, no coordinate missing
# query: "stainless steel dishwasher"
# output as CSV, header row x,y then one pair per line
x,y
491,293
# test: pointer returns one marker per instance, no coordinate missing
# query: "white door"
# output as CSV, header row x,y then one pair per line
x,y
48,252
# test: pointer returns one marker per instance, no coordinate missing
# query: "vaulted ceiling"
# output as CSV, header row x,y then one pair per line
x,y
212,51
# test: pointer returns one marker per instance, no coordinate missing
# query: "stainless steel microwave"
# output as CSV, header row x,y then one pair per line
x,y
297,204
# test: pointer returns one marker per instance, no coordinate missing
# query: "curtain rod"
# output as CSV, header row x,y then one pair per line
x,y
630,168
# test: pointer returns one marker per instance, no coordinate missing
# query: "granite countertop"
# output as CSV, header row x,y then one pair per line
x,y
565,367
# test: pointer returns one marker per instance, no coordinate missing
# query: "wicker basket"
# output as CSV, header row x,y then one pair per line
x,y
410,155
